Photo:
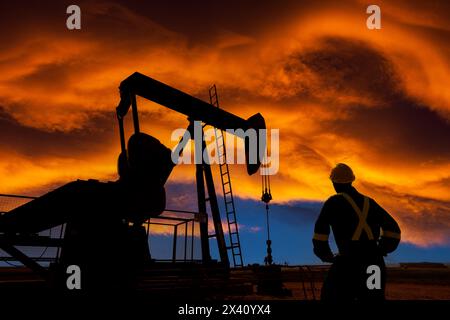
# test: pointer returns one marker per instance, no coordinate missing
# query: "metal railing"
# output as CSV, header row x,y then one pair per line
x,y
187,224
176,223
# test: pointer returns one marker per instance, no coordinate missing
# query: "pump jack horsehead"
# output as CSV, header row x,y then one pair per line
x,y
103,231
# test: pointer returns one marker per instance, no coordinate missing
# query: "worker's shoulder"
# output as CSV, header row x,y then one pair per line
x,y
374,206
372,201
334,199
340,197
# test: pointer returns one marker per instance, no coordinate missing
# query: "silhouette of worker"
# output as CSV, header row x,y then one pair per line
x,y
364,233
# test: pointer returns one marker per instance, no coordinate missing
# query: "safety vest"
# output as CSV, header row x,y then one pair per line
x,y
362,220
362,217
357,221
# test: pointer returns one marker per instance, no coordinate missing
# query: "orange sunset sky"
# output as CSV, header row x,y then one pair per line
x,y
378,100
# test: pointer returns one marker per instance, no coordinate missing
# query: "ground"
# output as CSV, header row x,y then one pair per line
x,y
303,282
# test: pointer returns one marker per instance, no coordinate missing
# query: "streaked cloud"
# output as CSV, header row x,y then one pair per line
x,y
378,100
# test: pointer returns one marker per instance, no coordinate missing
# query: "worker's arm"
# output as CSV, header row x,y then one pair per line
x,y
321,233
390,231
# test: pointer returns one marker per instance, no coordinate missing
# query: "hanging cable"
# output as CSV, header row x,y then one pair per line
x,y
266,197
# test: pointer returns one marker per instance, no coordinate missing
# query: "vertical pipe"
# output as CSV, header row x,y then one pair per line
x,y
122,135
201,198
60,237
148,237
135,113
174,249
192,239
185,239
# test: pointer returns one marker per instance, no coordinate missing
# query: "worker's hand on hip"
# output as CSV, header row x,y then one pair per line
x,y
329,259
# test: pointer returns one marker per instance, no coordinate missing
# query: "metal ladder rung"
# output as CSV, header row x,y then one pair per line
x,y
235,244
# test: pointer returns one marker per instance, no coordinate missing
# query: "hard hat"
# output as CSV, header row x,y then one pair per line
x,y
342,173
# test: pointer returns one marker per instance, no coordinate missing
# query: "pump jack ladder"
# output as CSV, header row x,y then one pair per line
x,y
230,209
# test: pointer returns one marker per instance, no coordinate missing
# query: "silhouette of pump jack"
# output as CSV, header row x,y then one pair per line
x,y
104,233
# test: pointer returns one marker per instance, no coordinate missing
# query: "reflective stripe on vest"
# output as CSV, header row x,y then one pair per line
x,y
390,234
362,216
320,237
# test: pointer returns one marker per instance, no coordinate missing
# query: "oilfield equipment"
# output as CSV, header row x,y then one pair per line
x,y
103,227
